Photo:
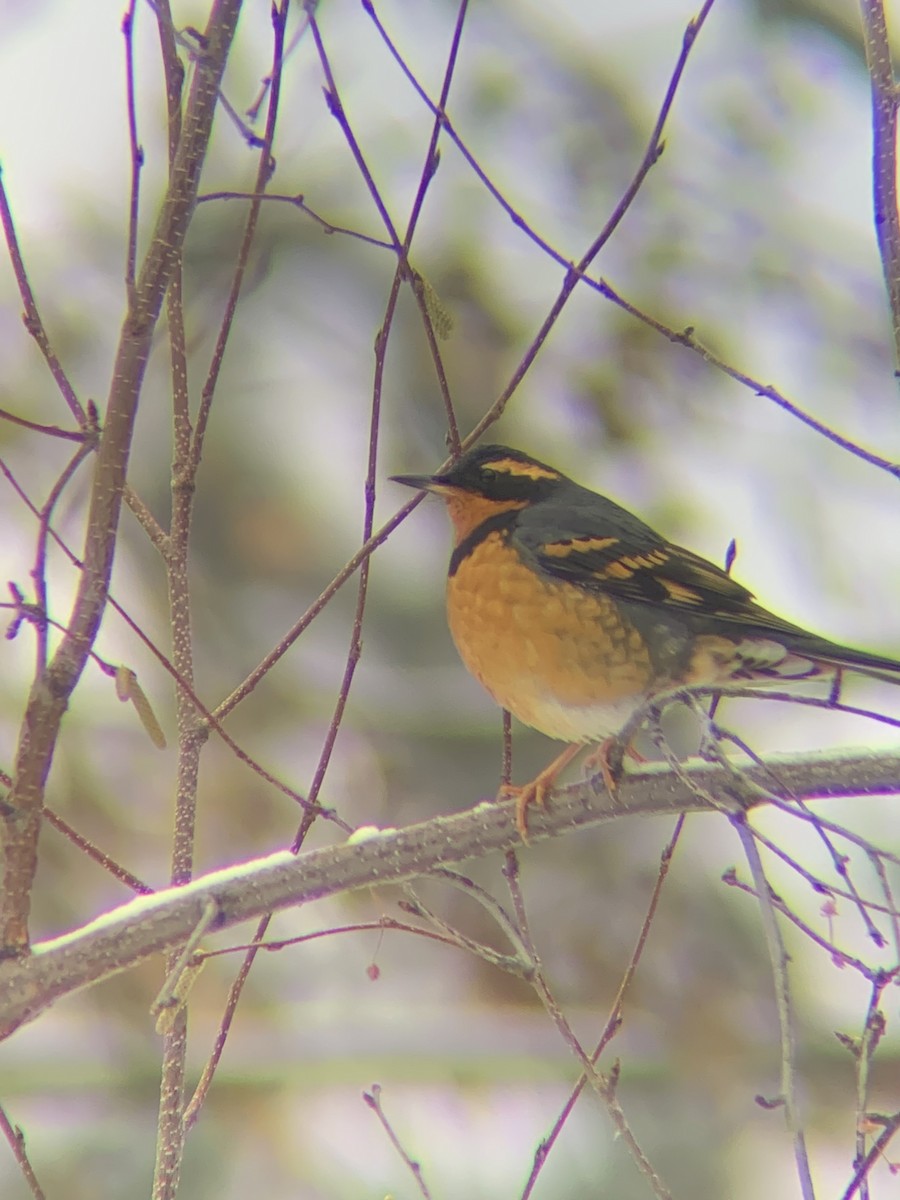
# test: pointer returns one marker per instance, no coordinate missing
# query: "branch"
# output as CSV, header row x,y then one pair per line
x,y
153,924
884,153
779,959
52,688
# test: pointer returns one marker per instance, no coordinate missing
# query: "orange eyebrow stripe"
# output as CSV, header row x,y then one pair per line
x,y
531,470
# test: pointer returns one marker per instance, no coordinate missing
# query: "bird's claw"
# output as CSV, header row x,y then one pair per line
x,y
608,759
525,795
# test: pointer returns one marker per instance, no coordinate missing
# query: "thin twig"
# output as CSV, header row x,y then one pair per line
x,y
39,569
201,1091
32,316
137,153
96,855
839,861
885,100
373,1100
193,450
336,108
872,1032
264,170
16,1139
346,572
651,154
159,539
891,1127
298,201
835,954
209,717
47,703
511,929
652,709
778,958
380,926
573,273
166,996
402,271
297,37
496,410
428,172
173,72
614,1020
72,435
506,758
685,337
603,1085
890,904
818,885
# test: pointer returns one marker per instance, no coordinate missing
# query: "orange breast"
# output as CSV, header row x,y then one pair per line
x,y
562,660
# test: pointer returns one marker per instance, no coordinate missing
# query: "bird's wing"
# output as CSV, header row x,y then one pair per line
x,y
592,542
601,547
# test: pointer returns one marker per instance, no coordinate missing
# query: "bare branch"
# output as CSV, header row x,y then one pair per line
x,y
779,958
885,100
614,1020
137,152
373,1100
31,315
151,925
51,690
16,1139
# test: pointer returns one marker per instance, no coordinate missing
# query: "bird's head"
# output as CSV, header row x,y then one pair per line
x,y
486,481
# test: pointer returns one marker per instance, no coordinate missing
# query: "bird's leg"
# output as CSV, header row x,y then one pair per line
x,y
608,759
537,791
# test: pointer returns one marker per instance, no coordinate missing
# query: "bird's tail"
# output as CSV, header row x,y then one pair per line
x,y
831,654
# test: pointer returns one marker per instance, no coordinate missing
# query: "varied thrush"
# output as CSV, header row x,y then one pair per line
x,y
573,613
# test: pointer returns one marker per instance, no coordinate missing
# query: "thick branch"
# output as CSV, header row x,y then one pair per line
x,y
153,924
884,153
50,693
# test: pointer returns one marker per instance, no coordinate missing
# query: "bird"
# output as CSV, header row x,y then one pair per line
x,y
573,613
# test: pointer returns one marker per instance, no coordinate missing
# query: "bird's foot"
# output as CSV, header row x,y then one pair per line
x,y
609,760
524,796
537,791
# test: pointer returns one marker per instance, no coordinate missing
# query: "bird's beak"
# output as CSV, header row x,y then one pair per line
x,y
422,483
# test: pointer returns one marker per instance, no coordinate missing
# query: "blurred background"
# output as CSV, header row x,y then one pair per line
x,y
755,228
